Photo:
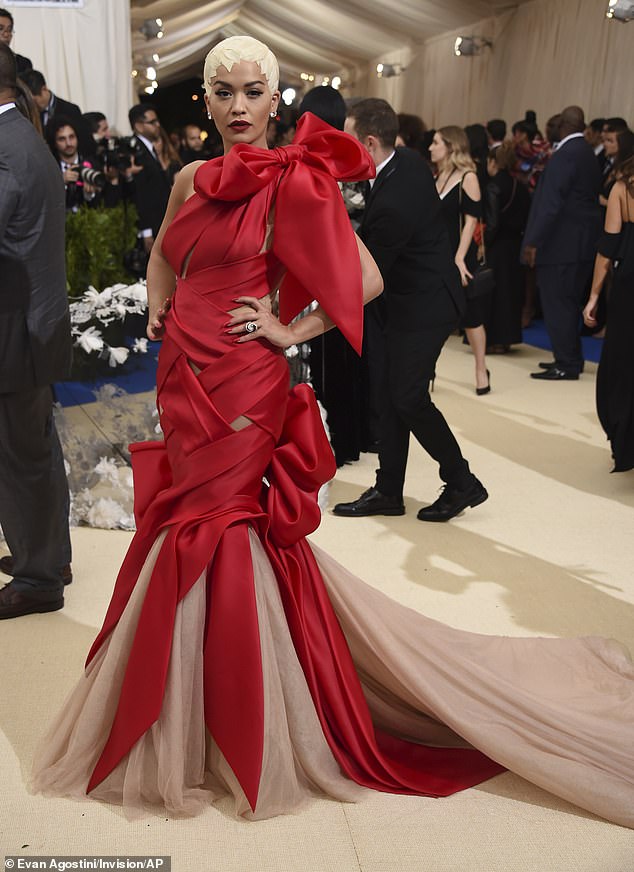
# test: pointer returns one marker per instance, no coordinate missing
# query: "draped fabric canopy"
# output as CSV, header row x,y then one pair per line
x,y
315,36
544,55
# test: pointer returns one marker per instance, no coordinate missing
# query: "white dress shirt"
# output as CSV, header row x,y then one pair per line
x,y
566,138
380,167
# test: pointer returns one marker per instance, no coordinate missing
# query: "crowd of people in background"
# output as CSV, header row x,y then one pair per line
x,y
524,238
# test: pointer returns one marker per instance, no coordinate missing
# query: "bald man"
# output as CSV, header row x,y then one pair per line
x,y
560,241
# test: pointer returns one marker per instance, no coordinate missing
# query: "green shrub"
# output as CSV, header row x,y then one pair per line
x,y
96,240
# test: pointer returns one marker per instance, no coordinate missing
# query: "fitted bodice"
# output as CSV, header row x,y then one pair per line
x,y
212,232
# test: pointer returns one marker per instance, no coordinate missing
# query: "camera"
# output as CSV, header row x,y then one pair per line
x,y
117,152
90,176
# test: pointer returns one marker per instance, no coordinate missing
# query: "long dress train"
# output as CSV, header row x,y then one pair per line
x,y
236,657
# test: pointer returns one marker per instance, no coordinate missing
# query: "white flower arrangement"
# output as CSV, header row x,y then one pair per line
x,y
353,196
97,323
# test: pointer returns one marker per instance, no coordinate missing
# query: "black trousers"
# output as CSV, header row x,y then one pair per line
x,y
34,499
372,371
407,407
563,290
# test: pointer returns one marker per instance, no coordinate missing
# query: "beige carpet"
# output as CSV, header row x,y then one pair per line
x,y
550,553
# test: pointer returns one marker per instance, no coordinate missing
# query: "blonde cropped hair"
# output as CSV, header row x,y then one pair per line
x,y
235,49
458,148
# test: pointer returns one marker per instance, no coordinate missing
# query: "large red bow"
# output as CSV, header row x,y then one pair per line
x,y
313,236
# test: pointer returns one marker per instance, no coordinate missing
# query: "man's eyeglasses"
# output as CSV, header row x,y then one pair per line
x,y
151,121
8,29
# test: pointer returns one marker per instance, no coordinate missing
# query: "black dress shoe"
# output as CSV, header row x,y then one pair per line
x,y
6,566
371,502
549,364
15,602
553,373
453,501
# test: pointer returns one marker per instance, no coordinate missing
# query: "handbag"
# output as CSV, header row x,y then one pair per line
x,y
483,281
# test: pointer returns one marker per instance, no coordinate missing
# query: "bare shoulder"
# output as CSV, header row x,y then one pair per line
x,y
471,185
184,181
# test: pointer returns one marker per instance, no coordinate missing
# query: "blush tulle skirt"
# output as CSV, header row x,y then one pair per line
x,y
558,712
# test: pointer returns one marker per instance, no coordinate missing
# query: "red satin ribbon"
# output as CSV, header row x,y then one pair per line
x,y
310,218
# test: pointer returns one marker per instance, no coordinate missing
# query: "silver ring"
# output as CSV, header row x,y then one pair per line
x,y
250,326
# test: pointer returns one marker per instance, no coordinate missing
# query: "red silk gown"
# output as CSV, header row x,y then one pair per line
x,y
237,657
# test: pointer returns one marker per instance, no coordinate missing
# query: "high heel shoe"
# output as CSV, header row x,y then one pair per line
x,y
485,390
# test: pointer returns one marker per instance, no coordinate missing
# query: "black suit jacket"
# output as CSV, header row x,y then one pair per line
x,y
405,232
565,220
35,344
151,190
22,64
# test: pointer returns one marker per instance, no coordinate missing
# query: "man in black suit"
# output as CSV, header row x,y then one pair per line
x,y
151,183
35,348
7,29
404,231
594,137
560,240
51,106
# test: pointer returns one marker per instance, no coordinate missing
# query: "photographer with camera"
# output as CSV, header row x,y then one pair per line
x,y
84,181
113,153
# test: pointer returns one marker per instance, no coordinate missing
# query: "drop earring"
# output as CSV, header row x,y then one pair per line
x,y
273,114
209,115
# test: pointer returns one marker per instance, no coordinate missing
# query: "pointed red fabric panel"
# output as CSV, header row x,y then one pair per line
x,y
310,217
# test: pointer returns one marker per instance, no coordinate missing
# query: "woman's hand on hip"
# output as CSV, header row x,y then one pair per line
x,y
258,322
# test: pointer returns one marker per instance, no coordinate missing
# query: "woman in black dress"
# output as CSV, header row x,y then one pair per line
x,y
459,190
615,378
506,205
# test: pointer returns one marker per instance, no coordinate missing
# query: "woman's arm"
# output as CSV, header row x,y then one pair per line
x,y
161,279
613,225
311,325
471,187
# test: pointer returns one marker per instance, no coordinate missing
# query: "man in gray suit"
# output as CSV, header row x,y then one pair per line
x,y
35,348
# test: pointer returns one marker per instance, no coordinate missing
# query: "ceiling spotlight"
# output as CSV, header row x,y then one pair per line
x,y
155,58
152,28
466,46
150,73
336,82
386,71
621,10
288,95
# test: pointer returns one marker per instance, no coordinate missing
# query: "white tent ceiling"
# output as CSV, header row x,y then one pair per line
x,y
311,36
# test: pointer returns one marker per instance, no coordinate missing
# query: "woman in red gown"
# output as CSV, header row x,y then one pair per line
x,y
236,657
